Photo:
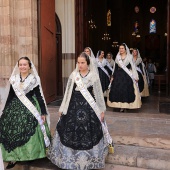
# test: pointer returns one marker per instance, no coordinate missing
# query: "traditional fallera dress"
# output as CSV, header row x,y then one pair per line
x,y
23,136
124,91
111,63
93,59
138,65
80,141
105,71
143,83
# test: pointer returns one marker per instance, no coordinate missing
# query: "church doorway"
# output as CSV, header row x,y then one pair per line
x,y
47,49
59,57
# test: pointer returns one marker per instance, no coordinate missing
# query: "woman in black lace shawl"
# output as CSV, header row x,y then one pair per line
x,y
21,138
79,141
124,92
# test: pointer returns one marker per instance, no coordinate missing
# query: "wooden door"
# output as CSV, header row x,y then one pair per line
x,y
59,57
47,48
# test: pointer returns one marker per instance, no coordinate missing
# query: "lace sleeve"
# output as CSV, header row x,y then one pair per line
x,y
143,68
134,72
40,100
99,94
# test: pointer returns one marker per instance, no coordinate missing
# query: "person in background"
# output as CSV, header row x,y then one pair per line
x,y
124,92
90,53
145,61
109,58
151,72
140,67
104,70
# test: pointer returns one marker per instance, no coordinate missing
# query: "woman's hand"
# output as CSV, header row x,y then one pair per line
x,y
59,113
102,116
111,79
43,118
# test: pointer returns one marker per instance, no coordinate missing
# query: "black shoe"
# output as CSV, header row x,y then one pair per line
x,y
32,161
11,165
125,110
121,110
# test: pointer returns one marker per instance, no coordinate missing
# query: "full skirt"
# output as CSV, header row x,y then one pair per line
x,y
140,82
79,143
104,79
20,135
124,93
145,92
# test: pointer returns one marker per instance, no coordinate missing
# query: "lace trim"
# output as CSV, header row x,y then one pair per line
x,y
29,84
33,110
92,79
17,132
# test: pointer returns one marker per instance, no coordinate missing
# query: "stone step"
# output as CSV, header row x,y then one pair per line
x,y
46,165
140,157
120,167
141,140
125,157
39,164
138,130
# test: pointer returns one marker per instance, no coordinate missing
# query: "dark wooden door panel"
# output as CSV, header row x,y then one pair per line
x,y
48,49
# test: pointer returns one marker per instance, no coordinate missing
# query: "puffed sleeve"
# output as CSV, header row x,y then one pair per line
x,y
40,100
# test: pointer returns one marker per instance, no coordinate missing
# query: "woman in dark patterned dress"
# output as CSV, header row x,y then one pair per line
x,y
109,58
79,142
105,70
124,92
138,64
23,128
140,67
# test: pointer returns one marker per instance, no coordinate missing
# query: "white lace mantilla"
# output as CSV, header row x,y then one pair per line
x,y
92,79
29,83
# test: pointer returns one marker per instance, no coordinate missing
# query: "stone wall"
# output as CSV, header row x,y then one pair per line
x,y
18,35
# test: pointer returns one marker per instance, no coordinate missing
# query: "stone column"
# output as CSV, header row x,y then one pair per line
x,y
65,10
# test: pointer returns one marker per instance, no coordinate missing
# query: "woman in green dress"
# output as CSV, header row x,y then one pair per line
x,y
24,132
